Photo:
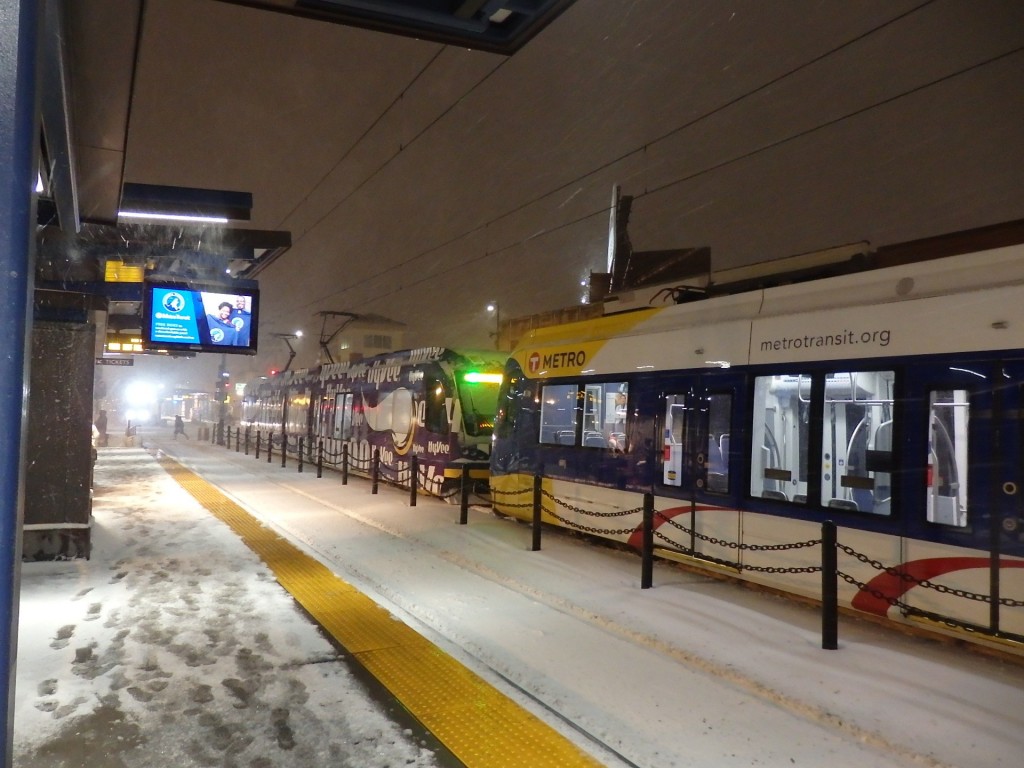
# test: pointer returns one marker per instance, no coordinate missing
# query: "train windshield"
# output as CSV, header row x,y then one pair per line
x,y
478,393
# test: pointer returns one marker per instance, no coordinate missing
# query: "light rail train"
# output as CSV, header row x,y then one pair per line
x,y
433,403
889,401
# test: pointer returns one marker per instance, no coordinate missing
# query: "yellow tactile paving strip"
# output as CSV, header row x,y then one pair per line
x,y
482,727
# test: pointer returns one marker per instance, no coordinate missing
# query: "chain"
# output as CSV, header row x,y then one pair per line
x,y
907,609
520,492
587,528
674,547
739,545
909,579
590,513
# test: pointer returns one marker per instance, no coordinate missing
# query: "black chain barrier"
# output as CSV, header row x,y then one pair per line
x,y
411,475
907,578
542,502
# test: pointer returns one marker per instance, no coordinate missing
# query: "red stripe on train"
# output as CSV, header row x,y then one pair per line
x,y
876,595
636,539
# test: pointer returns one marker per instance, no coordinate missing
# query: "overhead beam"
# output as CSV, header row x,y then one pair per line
x,y
56,117
460,26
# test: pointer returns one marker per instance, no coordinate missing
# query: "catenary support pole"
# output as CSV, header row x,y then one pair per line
x,y
20,25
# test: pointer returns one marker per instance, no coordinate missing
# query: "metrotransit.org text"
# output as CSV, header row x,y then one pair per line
x,y
843,338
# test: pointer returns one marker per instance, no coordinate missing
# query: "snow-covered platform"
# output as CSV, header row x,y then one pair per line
x,y
175,645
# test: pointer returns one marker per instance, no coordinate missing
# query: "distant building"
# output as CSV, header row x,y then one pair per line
x,y
364,336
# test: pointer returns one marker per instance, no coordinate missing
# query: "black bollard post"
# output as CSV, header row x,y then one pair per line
x,y
238,440
647,553
247,441
258,437
538,504
375,470
284,449
270,447
414,471
344,464
320,458
829,587
300,453
464,501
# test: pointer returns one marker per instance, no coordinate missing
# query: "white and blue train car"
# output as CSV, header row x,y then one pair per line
x,y
889,401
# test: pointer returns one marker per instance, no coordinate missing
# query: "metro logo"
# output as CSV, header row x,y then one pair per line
x,y
565,359
556,360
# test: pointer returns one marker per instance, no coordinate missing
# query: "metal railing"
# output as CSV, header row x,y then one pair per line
x,y
653,539
410,474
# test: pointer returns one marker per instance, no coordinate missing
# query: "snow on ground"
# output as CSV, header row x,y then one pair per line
x,y
173,645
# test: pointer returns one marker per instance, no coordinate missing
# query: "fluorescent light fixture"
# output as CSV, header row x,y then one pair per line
x,y
500,15
171,203
39,183
171,217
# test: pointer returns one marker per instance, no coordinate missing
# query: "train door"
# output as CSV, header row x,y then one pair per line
x,y
1000,424
973,434
698,429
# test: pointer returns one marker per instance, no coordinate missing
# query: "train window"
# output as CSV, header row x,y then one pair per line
x,y
478,392
949,412
436,396
343,416
675,449
717,463
604,415
856,445
696,447
297,412
600,409
778,461
558,414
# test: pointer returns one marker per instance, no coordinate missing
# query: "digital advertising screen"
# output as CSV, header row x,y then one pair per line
x,y
200,317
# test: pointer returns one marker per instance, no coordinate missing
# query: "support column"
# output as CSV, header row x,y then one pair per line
x,y
19,121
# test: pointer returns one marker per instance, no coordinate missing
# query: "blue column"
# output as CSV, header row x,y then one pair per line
x,y
19,46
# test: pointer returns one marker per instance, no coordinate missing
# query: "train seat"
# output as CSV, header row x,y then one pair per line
x,y
847,504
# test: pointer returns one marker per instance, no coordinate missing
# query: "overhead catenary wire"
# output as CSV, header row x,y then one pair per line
x,y
602,212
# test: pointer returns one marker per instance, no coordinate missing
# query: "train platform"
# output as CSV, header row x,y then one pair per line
x,y
237,612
